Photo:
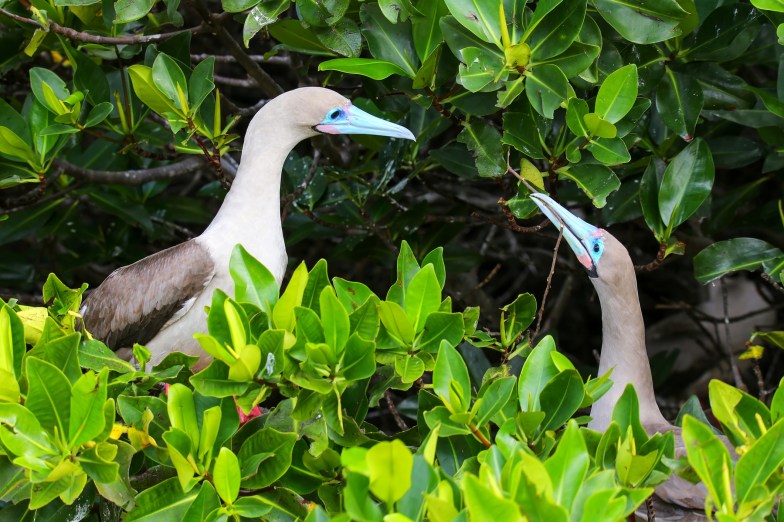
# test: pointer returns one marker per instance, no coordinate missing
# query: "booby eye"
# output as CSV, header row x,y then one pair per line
x,y
596,247
334,115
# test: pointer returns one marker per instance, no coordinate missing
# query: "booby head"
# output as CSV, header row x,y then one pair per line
x,y
317,110
603,256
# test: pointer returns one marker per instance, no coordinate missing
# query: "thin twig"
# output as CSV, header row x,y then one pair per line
x,y
772,282
656,263
80,36
227,58
266,83
393,410
185,232
650,508
727,336
510,219
489,277
549,282
248,83
131,177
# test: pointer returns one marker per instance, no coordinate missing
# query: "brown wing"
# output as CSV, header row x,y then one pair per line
x,y
135,301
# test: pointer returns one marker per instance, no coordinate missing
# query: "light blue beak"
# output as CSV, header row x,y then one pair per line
x,y
354,120
577,232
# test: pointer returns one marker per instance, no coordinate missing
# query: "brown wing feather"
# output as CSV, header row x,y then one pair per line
x,y
135,301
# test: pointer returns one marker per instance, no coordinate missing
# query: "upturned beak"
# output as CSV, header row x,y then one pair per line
x,y
577,232
358,121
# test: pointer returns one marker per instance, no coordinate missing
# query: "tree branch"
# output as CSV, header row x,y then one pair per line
x,y
132,177
265,81
80,36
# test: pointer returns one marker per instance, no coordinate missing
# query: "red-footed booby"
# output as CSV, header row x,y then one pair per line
x,y
159,301
623,337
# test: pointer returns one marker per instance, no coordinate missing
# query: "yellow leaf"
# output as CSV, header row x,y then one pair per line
x,y
753,351
531,174
517,55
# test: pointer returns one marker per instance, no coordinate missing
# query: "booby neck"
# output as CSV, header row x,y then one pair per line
x,y
623,350
253,202
623,331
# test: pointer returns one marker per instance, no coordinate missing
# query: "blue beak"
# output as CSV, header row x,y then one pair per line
x,y
354,120
577,232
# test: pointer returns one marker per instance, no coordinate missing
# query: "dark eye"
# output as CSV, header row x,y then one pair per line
x,y
334,115
596,247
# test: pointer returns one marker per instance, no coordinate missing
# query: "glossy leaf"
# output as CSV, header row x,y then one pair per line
x,y
723,257
546,88
643,22
374,69
679,101
597,181
485,144
686,184
450,379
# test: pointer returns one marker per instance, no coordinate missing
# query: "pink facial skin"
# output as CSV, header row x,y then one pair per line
x,y
327,129
585,260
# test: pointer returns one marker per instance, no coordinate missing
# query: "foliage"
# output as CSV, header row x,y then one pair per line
x,y
321,355
662,119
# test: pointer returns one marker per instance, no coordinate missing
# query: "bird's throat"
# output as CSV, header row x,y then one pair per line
x,y
623,352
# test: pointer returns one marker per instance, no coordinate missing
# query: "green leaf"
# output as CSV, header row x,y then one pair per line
x,y
568,465
599,127
441,326
47,387
423,297
131,10
226,475
98,114
334,319
687,182
283,312
756,466
358,359
516,317
560,398
450,379
261,16
723,257
182,412
409,368
145,89
387,41
87,403
610,151
710,459
371,68
396,322
25,435
389,465
204,503
494,398
275,448
294,36
537,370
163,501
597,181
486,504
478,16
547,88
641,21
617,94
485,144
169,79
679,101
557,29
200,84
213,381
426,30
15,147
626,414
725,34
253,283
12,342
522,130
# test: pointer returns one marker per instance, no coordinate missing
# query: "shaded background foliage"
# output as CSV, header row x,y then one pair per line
x,y
702,94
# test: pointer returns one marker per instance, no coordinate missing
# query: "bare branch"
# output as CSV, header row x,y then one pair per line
x,y
81,36
132,177
269,86
549,282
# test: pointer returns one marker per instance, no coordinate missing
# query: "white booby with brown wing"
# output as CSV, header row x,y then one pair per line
x,y
623,337
159,301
